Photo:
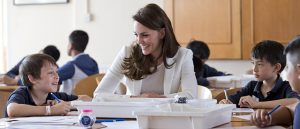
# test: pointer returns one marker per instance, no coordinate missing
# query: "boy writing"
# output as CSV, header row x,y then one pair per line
x,y
38,73
284,115
270,90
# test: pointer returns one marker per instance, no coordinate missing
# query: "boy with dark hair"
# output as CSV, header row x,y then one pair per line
x,y
12,78
81,66
284,115
52,51
201,54
269,90
38,73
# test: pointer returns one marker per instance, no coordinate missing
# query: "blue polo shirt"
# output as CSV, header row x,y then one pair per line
x,y
297,117
282,89
23,96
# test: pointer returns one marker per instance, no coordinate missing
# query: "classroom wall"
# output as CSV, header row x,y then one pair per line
x,y
31,27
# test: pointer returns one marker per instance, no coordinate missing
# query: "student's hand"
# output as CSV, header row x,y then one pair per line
x,y
8,80
84,98
52,102
260,118
225,101
212,83
61,108
247,101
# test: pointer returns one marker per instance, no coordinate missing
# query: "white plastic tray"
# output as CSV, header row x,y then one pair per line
x,y
202,118
121,107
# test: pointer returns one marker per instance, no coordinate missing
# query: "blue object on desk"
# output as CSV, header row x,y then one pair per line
x,y
273,110
55,97
109,120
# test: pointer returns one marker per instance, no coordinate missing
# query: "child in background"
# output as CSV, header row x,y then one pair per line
x,y
284,115
12,76
270,90
38,73
200,56
82,64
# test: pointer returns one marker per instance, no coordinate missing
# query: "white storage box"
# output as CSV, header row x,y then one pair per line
x,y
188,118
231,81
119,107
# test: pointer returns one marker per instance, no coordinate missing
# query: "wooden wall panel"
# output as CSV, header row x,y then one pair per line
x,y
269,19
213,21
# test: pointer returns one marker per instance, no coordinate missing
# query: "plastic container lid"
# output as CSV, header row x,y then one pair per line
x,y
86,110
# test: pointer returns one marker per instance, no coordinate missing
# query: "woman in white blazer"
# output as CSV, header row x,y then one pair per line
x,y
154,66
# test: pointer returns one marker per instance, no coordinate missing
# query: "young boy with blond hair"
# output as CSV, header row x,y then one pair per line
x,y
284,115
269,90
38,73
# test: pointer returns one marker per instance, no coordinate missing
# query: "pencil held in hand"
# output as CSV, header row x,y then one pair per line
x,y
225,92
274,109
55,97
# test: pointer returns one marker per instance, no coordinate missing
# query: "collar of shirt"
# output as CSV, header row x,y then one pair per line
x,y
275,89
78,55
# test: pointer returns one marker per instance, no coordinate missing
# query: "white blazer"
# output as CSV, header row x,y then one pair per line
x,y
178,80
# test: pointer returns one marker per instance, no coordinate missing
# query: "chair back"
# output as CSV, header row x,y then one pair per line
x,y
88,85
204,93
230,91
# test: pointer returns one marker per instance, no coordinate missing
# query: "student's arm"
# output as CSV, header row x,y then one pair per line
x,y
22,110
210,71
9,80
15,70
273,103
282,116
245,91
202,81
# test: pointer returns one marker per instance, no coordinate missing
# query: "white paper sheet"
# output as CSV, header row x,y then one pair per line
x,y
59,120
243,110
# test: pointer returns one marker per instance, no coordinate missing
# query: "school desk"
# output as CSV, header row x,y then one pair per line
x,y
127,124
5,91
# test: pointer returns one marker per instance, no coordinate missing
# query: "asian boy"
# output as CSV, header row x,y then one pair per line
x,y
285,115
269,90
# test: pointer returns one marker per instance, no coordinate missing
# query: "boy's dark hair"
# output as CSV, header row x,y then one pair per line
x,y
271,51
52,51
200,49
200,53
32,65
293,48
79,39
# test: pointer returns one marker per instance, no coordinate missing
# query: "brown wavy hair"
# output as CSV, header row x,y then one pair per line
x,y
137,65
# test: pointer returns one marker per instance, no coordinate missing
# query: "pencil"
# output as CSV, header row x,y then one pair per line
x,y
273,110
55,97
